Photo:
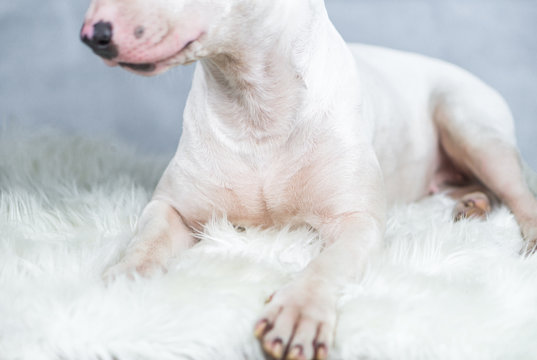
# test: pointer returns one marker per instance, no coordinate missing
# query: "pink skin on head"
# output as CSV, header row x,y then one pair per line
x,y
87,30
159,45
110,63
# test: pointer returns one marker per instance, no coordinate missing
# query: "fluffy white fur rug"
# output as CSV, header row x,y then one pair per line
x,y
68,206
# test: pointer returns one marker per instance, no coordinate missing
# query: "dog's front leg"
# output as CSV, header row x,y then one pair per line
x,y
161,234
299,321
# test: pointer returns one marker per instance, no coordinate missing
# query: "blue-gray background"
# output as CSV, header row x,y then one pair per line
x,y
47,77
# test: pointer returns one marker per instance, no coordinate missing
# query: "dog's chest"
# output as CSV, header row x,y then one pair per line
x,y
262,195
256,201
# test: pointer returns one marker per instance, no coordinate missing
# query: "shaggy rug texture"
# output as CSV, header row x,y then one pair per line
x,y
69,205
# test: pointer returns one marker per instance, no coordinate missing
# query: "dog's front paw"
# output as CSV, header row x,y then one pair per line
x,y
298,323
132,266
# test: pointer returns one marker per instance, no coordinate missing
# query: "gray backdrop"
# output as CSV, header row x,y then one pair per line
x,y
47,77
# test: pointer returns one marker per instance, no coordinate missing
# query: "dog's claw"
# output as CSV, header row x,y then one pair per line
x,y
529,249
269,299
260,328
274,348
321,353
296,353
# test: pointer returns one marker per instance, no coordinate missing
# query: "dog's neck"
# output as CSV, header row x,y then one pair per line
x,y
256,88
256,92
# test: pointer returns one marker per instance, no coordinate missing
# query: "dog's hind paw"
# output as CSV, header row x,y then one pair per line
x,y
473,205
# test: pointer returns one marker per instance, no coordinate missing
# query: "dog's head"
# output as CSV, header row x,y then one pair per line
x,y
150,36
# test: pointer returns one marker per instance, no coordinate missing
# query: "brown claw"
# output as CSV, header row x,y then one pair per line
x,y
321,353
269,299
260,328
295,353
274,348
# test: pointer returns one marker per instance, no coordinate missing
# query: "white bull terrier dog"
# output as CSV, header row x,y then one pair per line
x,y
286,124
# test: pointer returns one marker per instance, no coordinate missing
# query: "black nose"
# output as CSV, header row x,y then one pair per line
x,y
102,34
101,42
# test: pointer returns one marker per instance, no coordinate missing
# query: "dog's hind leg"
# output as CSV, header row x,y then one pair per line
x,y
476,132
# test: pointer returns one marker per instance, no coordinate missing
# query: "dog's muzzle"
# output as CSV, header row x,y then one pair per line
x,y
101,42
